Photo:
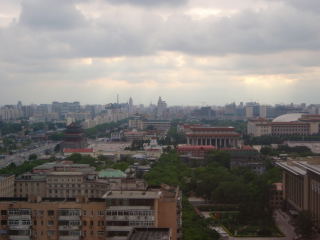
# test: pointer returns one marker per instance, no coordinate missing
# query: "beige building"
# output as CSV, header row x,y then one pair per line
x,y
52,219
288,124
111,217
301,185
220,137
154,208
6,185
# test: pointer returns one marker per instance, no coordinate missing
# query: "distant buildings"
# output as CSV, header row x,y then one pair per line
x,y
301,185
288,124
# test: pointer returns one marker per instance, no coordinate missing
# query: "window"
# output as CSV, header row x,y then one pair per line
x,y
50,212
3,222
50,223
51,232
3,212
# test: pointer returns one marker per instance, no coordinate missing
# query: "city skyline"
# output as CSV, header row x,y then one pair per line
x,y
188,51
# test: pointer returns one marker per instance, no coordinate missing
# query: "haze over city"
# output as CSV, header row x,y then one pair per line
x,y
190,52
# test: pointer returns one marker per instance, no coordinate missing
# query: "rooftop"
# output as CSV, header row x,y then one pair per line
x,y
78,150
133,195
149,234
291,117
111,173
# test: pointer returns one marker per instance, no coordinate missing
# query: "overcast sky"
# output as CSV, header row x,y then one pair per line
x,y
187,51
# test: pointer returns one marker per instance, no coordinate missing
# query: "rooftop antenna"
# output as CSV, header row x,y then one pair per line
x,y
117,98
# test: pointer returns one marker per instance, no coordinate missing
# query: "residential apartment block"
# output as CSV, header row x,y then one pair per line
x,y
113,216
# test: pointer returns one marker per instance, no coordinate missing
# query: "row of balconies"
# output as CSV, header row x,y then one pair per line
x,y
130,218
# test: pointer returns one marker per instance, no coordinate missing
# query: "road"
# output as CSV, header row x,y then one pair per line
x,y
19,158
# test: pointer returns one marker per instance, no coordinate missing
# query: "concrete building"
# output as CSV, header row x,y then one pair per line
x,y
52,219
288,124
112,217
301,185
276,196
159,207
6,185
220,137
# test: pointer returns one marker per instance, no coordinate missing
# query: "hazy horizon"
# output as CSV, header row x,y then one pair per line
x,y
190,52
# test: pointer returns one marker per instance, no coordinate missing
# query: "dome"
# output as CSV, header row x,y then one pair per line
x,y
291,117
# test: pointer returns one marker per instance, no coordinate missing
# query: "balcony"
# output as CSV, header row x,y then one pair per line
x,y
17,237
69,217
130,218
118,228
69,238
20,227
68,227
19,217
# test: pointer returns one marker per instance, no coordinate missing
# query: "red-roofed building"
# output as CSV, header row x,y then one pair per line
x,y
84,151
194,150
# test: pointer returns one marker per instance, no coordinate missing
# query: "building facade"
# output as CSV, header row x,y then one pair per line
x,y
288,124
301,185
111,217
6,185
220,137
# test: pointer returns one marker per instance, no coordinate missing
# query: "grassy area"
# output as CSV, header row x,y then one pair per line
x,y
238,230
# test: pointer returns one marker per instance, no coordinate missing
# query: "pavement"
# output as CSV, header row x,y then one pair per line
x,y
282,220
20,158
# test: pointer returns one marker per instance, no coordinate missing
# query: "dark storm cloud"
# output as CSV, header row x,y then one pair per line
x,y
149,3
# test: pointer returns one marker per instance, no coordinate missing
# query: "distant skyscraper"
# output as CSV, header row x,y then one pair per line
x,y
161,108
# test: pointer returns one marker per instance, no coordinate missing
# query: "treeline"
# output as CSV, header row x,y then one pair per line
x,y
27,166
219,184
298,151
267,140
101,162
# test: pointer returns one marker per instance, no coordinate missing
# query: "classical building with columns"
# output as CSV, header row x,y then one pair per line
x,y
220,137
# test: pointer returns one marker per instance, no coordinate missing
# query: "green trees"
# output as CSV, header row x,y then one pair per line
x,y
193,226
220,157
33,157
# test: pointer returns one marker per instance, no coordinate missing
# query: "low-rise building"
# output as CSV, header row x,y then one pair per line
x,y
288,124
301,185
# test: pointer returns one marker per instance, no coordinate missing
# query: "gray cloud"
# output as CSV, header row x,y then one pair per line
x,y
41,44
310,5
50,14
149,3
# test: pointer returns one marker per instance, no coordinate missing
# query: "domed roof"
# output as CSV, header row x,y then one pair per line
x,y
291,117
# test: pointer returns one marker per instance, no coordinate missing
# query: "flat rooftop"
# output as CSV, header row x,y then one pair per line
x,y
292,167
149,234
132,194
